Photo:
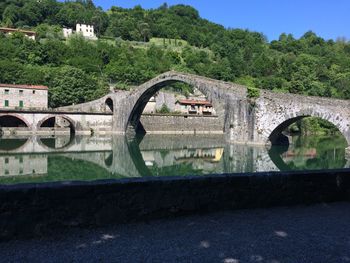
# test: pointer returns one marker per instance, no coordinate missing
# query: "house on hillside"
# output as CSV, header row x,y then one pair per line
x,y
10,31
87,31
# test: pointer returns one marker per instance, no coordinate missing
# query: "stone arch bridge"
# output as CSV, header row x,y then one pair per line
x,y
258,121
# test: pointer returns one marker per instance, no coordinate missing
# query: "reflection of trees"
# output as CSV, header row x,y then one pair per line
x,y
311,153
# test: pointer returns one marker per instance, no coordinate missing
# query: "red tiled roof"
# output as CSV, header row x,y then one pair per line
x,y
7,29
195,102
23,86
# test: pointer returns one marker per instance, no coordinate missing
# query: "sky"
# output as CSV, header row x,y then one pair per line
x,y
330,19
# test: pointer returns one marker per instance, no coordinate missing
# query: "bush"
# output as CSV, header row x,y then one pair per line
x,y
164,109
253,92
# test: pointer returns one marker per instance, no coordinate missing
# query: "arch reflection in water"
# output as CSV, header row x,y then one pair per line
x,y
94,158
311,153
59,142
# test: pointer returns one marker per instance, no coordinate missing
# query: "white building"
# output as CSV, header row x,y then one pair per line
x,y
87,31
67,32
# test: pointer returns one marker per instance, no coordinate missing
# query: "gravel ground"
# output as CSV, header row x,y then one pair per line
x,y
318,233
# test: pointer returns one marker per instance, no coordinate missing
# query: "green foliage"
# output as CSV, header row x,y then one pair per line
x,y
71,86
138,44
253,92
313,126
164,109
181,88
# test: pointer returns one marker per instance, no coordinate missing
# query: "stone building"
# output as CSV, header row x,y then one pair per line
x,y
9,31
197,107
87,31
23,96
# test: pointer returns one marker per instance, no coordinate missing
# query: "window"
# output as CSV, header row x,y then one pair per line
x,y
6,160
7,91
21,103
20,92
33,91
6,103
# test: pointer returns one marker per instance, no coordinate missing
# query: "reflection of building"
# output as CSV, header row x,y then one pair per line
x,y
23,165
210,155
198,107
10,31
23,96
307,154
86,31
200,159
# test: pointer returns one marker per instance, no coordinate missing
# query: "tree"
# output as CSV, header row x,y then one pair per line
x,y
70,85
10,15
145,31
164,109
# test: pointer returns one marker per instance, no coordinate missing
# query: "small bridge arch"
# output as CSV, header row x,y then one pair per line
x,y
53,120
109,104
13,120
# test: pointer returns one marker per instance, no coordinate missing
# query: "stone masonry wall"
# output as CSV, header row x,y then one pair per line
x,y
37,100
181,124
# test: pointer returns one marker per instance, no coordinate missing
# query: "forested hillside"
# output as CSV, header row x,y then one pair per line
x,y
77,70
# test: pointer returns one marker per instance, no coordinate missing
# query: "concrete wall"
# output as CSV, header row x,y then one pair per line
x,y
181,124
43,209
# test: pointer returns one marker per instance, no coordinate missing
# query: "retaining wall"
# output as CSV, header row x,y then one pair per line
x,y
181,124
41,209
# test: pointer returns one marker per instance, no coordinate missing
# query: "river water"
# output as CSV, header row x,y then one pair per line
x,y
48,159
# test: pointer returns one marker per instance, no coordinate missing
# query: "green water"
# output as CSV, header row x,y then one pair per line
x,y
37,159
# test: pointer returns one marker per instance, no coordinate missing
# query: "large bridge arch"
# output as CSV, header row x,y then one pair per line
x,y
221,94
275,111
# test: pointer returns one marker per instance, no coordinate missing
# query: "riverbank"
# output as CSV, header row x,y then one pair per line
x,y
317,233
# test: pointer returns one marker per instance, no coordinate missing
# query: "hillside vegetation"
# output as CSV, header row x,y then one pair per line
x,y
78,70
